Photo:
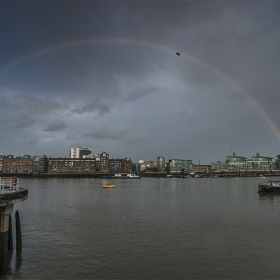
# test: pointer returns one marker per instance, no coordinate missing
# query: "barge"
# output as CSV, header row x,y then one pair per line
x,y
271,186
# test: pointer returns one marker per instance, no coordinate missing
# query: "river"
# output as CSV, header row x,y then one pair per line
x,y
152,228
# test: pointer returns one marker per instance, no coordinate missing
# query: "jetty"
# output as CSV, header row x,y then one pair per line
x,y
10,193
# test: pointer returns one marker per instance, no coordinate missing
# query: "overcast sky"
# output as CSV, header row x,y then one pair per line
x,y
105,75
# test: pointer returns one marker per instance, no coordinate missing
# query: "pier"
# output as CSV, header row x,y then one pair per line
x,y
10,193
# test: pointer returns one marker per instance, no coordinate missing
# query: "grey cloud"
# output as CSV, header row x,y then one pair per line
x,y
23,121
45,106
138,94
55,126
92,106
110,134
30,142
3,101
28,104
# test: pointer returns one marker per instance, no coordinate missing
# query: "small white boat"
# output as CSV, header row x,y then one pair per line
x,y
123,176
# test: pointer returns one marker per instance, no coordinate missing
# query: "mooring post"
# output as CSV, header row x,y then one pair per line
x,y
18,233
10,238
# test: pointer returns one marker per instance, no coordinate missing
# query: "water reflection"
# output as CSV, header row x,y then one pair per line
x,y
5,263
12,265
153,228
269,197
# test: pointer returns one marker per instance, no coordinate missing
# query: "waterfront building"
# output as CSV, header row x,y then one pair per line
x,y
236,163
181,166
91,156
149,166
160,164
79,165
203,169
40,164
261,163
136,167
120,165
79,152
2,156
277,163
218,166
20,164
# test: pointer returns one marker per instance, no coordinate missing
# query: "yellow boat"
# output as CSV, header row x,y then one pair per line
x,y
109,186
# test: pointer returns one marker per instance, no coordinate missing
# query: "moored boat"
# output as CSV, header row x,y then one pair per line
x,y
269,187
123,176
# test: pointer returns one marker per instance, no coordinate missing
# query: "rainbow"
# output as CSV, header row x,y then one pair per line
x,y
71,44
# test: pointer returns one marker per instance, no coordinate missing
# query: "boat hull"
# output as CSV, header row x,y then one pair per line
x,y
272,186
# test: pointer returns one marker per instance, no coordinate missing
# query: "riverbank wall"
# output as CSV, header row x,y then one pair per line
x,y
142,174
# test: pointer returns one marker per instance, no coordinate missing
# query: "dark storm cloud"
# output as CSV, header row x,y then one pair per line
x,y
199,103
57,125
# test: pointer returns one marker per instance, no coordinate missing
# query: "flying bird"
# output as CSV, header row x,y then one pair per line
x,y
177,53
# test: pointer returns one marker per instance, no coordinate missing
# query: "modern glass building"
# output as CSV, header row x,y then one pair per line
x,y
236,163
181,165
160,164
40,164
277,163
261,163
79,152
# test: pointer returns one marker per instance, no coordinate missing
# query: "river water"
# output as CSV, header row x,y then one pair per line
x,y
152,228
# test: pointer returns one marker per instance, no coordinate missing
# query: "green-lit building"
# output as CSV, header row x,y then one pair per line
x,y
181,165
261,163
277,163
219,166
236,163
160,164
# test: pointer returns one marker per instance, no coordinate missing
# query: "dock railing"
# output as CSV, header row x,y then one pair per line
x,y
11,183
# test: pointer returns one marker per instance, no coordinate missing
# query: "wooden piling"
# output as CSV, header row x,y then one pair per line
x,y
10,237
18,233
